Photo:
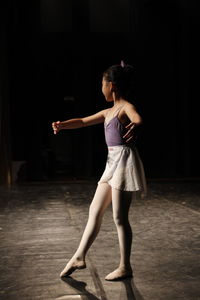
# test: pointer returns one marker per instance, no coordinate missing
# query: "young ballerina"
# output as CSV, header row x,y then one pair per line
x,y
124,172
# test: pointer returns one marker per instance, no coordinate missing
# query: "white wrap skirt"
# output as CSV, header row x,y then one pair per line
x,y
124,169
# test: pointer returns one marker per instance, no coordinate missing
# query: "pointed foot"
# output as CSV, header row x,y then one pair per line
x,y
71,267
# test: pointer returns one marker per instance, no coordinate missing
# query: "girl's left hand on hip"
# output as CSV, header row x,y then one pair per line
x,y
131,132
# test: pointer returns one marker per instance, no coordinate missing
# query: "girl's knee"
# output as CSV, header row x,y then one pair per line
x,y
120,220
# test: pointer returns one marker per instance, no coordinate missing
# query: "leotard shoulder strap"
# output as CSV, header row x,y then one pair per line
x,y
114,114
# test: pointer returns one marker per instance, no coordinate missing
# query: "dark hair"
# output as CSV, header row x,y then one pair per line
x,y
123,76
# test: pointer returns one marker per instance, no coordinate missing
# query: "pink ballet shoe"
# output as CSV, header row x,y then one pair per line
x,y
119,275
75,266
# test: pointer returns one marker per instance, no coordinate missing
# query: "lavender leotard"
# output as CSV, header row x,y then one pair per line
x,y
114,131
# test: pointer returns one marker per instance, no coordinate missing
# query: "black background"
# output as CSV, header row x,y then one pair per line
x,y
60,48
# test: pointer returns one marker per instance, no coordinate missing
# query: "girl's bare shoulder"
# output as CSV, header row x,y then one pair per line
x,y
128,106
105,111
127,111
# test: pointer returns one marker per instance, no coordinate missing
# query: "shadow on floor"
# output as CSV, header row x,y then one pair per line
x,y
128,289
80,287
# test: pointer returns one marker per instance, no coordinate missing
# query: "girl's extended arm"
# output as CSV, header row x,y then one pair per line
x,y
80,122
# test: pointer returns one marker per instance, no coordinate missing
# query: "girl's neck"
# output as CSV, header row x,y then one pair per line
x,y
117,100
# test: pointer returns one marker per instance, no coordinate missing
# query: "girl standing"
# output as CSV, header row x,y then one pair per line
x,y
124,172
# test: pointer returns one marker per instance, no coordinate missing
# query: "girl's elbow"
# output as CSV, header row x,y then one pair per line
x,y
141,121
83,122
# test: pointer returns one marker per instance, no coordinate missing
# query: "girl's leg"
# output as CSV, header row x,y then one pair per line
x,y
100,202
121,202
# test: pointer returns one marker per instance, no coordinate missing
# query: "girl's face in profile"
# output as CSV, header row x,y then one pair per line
x,y
107,90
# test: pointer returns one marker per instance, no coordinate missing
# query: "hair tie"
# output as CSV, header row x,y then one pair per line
x,y
122,64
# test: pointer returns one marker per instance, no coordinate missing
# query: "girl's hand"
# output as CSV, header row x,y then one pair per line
x,y
131,132
56,127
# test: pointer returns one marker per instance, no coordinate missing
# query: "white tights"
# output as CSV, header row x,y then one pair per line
x,y
121,201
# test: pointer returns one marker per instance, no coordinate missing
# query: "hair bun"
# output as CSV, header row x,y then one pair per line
x,y
122,64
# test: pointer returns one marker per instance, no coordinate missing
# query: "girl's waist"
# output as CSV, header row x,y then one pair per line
x,y
117,147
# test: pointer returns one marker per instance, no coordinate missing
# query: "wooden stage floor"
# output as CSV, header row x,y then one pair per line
x,y
42,223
